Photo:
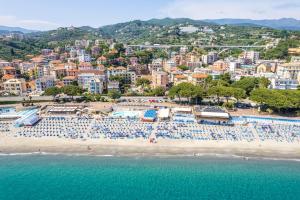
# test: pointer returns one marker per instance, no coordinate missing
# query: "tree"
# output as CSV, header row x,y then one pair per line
x,y
198,93
142,82
75,83
12,52
226,78
247,84
144,57
114,94
26,76
183,67
238,93
158,91
160,54
285,101
72,90
216,91
120,48
52,91
263,82
186,90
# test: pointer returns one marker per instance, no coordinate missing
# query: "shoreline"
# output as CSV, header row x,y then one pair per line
x,y
142,148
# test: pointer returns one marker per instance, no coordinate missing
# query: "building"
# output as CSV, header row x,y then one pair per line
x,y
139,69
210,58
69,80
133,61
180,78
96,85
9,70
95,50
183,50
294,51
290,71
101,60
84,57
169,65
72,72
233,66
250,57
156,65
220,66
160,79
128,51
197,78
45,82
129,76
15,86
92,82
295,59
283,84
4,63
113,85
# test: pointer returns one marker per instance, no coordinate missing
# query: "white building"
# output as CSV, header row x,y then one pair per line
x,y
129,76
45,82
91,82
83,57
96,85
283,84
210,58
169,65
289,71
15,86
251,56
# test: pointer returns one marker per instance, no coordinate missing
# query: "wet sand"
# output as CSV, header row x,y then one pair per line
x,y
139,147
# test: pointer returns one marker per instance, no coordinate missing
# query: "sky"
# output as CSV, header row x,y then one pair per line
x,y
51,14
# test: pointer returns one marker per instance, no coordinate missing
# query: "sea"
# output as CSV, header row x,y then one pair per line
x,y
64,177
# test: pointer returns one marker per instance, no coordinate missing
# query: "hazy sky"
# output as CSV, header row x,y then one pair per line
x,y
50,14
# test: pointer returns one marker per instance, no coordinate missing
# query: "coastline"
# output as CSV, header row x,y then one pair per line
x,y
142,148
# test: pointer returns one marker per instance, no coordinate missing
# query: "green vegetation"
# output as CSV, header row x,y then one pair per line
x,y
70,90
94,97
282,101
183,67
158,91
165,31
142,82
250,83
187,90
114,94
281,51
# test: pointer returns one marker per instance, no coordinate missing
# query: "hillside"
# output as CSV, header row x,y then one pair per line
x,y
280,24
154,31
15,29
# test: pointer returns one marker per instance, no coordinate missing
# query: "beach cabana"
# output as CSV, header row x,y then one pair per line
x,y
149,116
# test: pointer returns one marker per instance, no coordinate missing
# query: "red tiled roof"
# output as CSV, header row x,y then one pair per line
x,y
8,68
200,76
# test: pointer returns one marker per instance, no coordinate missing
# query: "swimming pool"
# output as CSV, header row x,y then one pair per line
x,y
126,114
263,119
5,110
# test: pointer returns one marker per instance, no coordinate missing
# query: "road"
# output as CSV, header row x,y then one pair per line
x,y
20,98
200,46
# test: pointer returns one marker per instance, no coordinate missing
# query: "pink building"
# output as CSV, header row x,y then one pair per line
x,y
159,78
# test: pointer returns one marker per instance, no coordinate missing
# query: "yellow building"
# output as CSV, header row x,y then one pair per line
x,y
294,51
180,79
15,86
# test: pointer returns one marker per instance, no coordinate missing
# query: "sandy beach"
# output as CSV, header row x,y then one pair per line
x,y
140,147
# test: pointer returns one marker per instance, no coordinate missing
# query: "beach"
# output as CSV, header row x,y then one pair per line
x,y
141,147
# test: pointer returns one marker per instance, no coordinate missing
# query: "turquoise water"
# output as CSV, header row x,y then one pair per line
x,y
71,177
126,114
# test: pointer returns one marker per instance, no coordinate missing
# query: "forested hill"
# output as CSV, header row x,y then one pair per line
x,y
154,31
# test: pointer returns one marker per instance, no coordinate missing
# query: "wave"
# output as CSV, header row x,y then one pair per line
x,y
196,155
